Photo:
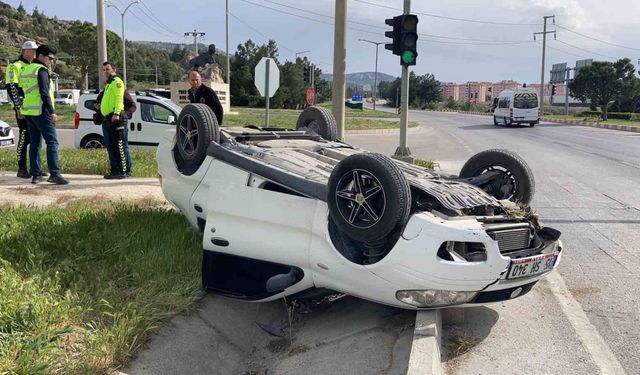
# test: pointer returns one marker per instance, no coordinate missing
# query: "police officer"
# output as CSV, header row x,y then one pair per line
x,y
39,112
115,124
16,94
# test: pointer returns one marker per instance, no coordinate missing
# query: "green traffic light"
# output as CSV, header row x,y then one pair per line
x,y
408,57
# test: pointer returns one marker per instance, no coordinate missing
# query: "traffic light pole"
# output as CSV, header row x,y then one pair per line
x,y
402,152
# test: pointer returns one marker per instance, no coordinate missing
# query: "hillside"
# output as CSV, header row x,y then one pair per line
x,y
362,78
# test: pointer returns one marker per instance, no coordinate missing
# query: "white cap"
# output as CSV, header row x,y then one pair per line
x,y
29,45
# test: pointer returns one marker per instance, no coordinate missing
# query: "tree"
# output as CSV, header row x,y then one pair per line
x,y
629,95
599,82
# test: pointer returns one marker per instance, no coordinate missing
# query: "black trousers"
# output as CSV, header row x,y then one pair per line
x,y
23,141
117,147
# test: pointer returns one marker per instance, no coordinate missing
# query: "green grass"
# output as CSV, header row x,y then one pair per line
x,y
286,118
65,114
81,161
350,112
590,119
84,286
426,163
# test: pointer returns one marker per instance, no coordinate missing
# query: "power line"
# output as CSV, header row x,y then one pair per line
x,y
596,39
482,41
566,52
451,18
476,43
584,50
145,9
143,22
258,31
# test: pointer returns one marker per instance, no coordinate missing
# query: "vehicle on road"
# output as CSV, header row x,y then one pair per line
x,y
153,116
68,97
291,213
515,107
7,138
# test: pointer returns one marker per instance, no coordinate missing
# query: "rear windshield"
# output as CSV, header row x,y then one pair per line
x,y
525,100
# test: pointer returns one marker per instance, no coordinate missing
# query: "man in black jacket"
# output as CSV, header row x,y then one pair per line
x,y
200,93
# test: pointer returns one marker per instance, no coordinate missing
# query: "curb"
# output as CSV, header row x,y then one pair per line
x,y
381,131
634,129
425,348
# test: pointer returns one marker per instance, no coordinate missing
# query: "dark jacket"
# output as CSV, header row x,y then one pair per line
x,y
129,104
206,95
43,84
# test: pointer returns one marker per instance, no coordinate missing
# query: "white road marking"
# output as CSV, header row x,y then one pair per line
x,y
587,333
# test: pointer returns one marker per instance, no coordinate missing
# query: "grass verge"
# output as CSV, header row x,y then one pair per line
x,y
84,286
65,114
80,161
591,120
286,118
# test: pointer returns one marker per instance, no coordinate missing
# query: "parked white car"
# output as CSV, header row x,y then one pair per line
x,y
518,106
153,116
7,138
290,213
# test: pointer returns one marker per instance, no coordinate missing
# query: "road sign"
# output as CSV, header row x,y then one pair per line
x,y
356,97
267,77
581,64
558,73
311,95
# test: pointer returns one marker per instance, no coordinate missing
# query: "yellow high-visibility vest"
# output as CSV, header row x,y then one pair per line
x,y
32,104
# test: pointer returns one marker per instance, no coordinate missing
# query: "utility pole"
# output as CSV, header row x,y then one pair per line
x,y
124,48
227,38
195,34
375,77
566,91
102,41
339,64
544,50
402,152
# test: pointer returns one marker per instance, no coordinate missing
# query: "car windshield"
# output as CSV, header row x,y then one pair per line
x,y
525,101
172,105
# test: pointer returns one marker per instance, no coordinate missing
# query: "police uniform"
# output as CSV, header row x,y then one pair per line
x,y
38,109
16,95
112,104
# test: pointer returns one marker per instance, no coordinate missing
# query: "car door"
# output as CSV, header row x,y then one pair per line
x,y
152,120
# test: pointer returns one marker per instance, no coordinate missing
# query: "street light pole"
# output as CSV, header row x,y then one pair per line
x,y
124,47
375,76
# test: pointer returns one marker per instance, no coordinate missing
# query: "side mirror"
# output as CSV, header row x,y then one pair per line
x,y
171,119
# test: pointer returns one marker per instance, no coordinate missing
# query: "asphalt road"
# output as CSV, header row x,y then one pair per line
x,y
588,187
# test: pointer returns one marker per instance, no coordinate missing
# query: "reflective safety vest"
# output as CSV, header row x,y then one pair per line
x,y
113,97
13,72
32,104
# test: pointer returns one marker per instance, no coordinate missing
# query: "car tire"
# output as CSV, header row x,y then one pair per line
x,y
368,197
532,124
196,128
320,121
495,121
517,184
92,141
507,122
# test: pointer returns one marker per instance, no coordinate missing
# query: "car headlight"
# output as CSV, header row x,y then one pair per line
x,y
434,298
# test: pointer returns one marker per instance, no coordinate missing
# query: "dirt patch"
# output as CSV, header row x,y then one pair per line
x,y
16,192
581,293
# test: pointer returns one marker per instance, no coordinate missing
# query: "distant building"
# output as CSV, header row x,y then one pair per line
x,y
450,91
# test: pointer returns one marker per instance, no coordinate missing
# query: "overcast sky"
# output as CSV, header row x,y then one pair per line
x,y
308,26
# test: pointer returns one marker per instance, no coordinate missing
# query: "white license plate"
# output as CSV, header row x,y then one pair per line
x,y
531,266
6,143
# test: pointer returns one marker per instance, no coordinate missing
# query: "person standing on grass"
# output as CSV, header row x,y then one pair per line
x,y
114,126
39,111
200,93
16,95
129,109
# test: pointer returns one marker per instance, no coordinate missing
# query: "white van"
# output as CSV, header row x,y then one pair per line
x,y
153,116
518,106
68,97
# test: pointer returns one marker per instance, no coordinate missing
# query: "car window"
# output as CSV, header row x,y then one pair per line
x,y
503,103
89,104
154,112
525,101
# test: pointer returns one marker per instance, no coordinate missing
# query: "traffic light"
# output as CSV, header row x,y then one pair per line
x,y
307,73
404,38
553,89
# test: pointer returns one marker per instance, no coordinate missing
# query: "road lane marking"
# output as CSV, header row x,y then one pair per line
x,y
587,333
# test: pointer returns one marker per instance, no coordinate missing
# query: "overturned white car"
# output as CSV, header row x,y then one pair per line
x,y
292,213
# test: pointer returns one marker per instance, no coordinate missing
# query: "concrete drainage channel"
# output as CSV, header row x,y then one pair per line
x,y
347,335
